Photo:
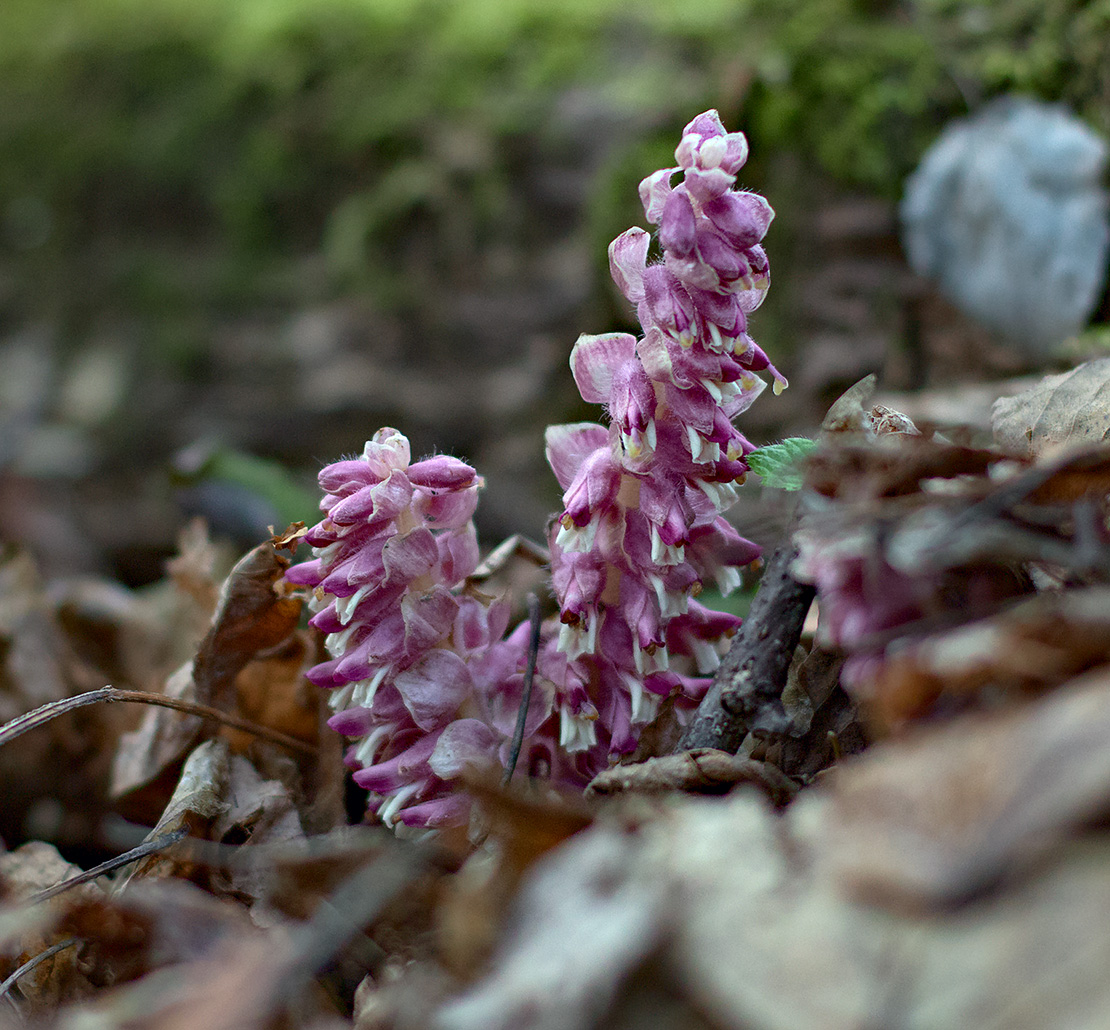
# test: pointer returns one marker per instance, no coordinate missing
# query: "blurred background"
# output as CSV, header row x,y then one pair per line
x,y
235,239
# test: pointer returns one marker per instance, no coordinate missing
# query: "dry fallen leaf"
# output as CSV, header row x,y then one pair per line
x,y
700,771
255,616
1070,410
1031,647
255,612
941,814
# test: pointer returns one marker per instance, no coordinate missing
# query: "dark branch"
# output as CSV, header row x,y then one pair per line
x,y
746,692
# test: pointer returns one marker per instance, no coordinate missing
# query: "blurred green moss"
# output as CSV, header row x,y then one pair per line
x,y
159,154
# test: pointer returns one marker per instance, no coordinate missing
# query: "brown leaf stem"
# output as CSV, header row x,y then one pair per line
x,y
42,715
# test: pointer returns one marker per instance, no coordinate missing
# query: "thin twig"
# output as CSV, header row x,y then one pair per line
x,y
146,848
32,962
40,716
526,694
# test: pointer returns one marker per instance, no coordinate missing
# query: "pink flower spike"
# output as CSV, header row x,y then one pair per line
x,y
434,687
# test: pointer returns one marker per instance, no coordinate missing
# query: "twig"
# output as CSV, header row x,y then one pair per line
x,y
526,693
32,962
144,849
746,692
40,716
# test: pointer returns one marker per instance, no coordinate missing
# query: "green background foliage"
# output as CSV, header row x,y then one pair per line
x,y
157,154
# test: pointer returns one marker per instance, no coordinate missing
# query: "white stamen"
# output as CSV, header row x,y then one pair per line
x,y
665,554
336,643
705,655
645,704
364,690
388,812
671,602
576,732
575,641
713,389
345,606
340,698
649,661
579,539
721,495
367,748
727,578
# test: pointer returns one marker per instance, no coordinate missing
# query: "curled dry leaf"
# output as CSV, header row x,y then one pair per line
x,y
200,798
1070,410
255,615
700,771
255,612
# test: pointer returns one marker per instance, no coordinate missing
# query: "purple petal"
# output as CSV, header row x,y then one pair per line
x,y
434,687
743,218
465,743
569,445
627,259
678,227
442,473
404,768
453,810
654,191
594,359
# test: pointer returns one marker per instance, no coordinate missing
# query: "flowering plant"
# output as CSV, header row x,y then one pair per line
x,y
422,673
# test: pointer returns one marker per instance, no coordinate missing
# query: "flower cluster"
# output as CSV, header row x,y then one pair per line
x,y
389,559
422,673
642,526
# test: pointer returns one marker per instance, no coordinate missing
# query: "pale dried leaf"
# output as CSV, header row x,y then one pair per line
x,y
581,925
1070,410
200,798
159,744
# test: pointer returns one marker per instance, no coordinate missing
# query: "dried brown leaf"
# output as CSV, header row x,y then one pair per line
x,y
700,771
1033,646
945,813
62,977
255,613
200,798
146,760
1070,410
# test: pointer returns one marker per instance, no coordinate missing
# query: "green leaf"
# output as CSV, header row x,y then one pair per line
x,y
778,463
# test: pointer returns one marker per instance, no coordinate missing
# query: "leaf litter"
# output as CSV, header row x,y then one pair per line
x,y
954,873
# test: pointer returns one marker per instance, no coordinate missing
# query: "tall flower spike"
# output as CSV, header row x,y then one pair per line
x,y
641,527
